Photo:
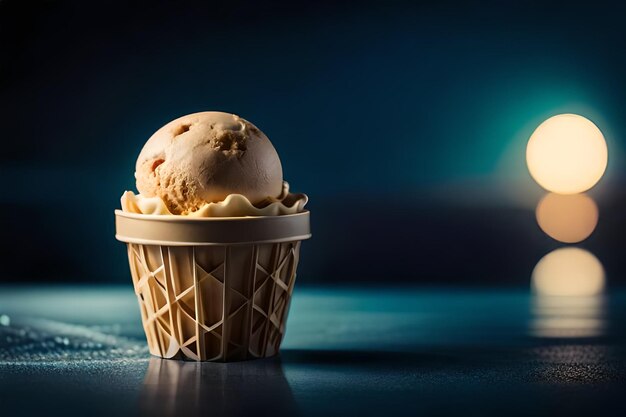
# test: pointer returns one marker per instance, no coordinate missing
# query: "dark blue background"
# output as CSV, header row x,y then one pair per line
x,y
404,122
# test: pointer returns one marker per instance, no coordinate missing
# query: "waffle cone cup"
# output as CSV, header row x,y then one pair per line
x,y
213,289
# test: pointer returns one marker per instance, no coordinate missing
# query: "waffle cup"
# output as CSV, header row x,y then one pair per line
x,y
213,289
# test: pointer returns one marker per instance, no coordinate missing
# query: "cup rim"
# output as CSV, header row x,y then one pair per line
x,y
173,230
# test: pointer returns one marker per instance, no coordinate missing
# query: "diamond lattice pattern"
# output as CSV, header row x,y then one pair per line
x,y
215,303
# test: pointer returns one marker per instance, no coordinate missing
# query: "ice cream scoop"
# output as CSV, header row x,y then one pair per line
x,y
205,157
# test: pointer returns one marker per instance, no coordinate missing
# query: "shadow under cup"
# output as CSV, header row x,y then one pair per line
x,y
213,289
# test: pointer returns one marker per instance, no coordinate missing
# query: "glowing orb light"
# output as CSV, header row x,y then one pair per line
x,y
567,218
567,154
568,272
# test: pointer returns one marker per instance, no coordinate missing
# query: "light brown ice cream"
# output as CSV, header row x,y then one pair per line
x,y
203,158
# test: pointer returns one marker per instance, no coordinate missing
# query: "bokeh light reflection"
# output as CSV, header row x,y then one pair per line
x,y
568,284
568,271
567,218
568,317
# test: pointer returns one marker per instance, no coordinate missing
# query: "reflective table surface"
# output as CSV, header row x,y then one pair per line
x,y
348,351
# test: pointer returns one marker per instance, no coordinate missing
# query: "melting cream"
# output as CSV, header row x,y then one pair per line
x,y
235,205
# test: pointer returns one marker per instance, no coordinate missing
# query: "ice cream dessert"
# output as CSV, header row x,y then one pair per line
x,y
213,239
210,164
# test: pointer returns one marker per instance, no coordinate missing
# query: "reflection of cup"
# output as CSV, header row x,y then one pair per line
x,y
178,388
213,289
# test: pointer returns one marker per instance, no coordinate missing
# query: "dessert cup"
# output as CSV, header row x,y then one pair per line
x,y
213,288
